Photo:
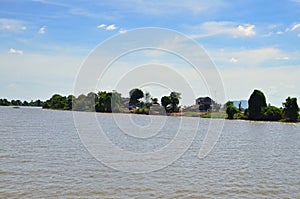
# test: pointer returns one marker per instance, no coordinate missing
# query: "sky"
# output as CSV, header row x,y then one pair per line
x,y
254,44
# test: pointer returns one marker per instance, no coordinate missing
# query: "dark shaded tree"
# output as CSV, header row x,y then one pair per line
x,y
135,94
175,97
290,109
165,102
256,103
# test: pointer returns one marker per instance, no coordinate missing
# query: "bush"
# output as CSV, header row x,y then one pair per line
x,y
231,111
272,113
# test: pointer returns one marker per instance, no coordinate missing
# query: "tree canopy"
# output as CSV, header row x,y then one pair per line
x,y
135,94
171,102
290,109
256,103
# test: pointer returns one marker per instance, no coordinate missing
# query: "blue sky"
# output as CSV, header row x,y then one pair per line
x,y
254,44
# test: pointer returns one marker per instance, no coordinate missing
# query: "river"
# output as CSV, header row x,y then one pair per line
x,y
42,156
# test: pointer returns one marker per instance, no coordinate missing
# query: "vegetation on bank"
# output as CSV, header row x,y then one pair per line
x,y
258,110
5,102
142,103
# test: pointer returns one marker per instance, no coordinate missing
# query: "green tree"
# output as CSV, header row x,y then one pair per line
x,y
290,109
135,94
175,97
272,113
231,111
154,100
165,102
228,104
4,102
256,103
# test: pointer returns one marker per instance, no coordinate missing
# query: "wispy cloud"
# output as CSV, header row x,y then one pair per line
x,y
293,27
108,27
42,30
122,31
111,27
283,58
101,26
12,25
14,51
158,7
48,2
213,28
233,60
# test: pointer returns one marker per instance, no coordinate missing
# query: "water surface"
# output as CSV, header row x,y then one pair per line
x,y
41,156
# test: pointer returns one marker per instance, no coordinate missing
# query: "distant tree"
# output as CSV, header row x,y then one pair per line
x,y
81,103
4,102
154,100
165,102
217,107
175,97
25,103
290,109
228,104
147,97
231,111
135,94
69,104
272,113
256,103
240,106
170,103
116,102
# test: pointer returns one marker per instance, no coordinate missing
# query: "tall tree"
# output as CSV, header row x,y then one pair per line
x,y
175,97
256,103
165,102
135,94
290,109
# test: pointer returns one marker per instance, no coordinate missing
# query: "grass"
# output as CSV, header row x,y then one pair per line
x,y
221,115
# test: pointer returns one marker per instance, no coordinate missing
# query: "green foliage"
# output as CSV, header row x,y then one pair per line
x,y
290,110
231,111
170,103
135,94
4,102
142,111
256,103
272,113
154,100
56,102
165,102
228,104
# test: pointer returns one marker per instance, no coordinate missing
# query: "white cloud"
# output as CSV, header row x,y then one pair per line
x,y
212,28
14,51
111,27
42,30
283,58
12,25
233,60
246,30
248,58
299,35
293,27
101,26
122,31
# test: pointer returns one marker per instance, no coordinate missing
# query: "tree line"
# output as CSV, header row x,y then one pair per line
x,y
140,103
258,109
5,102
